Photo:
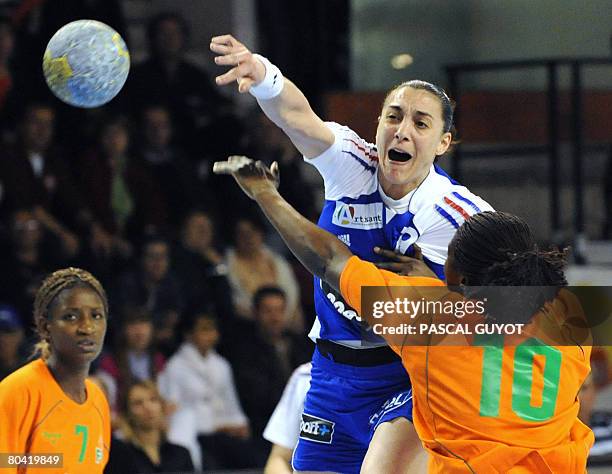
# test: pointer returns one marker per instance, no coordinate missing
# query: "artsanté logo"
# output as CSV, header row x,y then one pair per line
x,y
358,216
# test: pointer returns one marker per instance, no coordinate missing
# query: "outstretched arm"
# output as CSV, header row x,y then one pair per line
x,y
319,251
289,110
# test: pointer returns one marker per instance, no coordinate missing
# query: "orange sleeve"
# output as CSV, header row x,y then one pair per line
x,y
15,418
358,273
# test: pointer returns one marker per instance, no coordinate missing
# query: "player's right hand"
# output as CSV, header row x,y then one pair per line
x,y
246,69
252,176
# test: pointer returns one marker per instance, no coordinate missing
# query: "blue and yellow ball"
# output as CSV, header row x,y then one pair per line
x,y
86,63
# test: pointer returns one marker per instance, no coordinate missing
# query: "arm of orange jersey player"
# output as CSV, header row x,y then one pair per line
x,y
320,252
14,418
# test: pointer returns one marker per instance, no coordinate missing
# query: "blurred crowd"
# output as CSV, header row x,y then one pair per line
x,y
207,311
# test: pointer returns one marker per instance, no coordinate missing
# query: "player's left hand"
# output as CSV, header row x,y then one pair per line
x,y
252,176
404,265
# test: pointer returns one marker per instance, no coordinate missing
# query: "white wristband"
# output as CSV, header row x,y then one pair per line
x,y
272,83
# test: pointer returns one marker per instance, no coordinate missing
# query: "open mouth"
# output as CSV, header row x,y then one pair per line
x,y
87,346
399,156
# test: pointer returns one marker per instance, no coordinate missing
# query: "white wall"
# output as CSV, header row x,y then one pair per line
x,y
436,32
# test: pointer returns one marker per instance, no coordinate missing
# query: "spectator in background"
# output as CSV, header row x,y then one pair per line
x,y
35,175
30,254
174,174
263,354
200,382
269,142
167,77
9,95
283,428
134,358
11,339
201,267
145,448
155,288
252,265
121,195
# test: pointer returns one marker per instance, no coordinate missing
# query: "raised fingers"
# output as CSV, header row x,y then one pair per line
x,y
233,58
233,164
224,40
230,76
238,73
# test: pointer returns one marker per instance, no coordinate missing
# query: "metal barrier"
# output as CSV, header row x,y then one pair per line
x,y
551,148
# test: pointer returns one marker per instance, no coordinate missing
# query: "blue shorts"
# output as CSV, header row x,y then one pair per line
x,y
343,408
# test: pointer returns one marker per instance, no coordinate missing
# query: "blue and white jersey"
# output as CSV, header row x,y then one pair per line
x,y
357,210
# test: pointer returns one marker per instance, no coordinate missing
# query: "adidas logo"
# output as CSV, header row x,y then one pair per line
x,y
346,238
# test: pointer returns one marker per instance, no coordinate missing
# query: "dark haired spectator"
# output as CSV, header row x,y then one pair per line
x,y
263,354
30,253
9,82
35,175
251,265
168,77
11,340
120,194
200,382
269,143
174,174
145,447
134,357
152,286
201,267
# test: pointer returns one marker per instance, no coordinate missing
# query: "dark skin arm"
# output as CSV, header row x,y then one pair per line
x,y
403,264
319,251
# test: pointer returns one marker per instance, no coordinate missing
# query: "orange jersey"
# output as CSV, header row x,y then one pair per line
x,y
37,417
494,409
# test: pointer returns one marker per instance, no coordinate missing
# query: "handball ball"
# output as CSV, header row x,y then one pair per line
x,y
86,63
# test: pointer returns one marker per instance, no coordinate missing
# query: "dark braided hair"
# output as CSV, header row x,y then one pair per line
x,y
47,294
497,249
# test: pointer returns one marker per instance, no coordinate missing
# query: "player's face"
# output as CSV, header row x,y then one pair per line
x,y
76,325
145,408
409,136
